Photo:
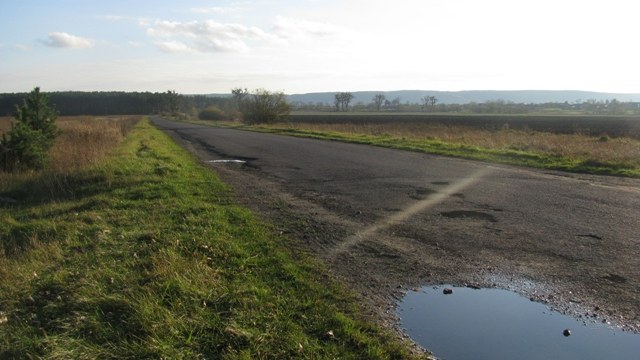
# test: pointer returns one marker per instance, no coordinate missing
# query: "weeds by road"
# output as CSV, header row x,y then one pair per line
x,y
144,256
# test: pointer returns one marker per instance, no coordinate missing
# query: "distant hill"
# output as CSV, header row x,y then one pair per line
x,y
468,96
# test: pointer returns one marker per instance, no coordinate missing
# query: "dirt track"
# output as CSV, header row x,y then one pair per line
x,y
385,221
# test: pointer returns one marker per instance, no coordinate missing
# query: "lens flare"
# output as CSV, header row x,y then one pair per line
x,y
415,208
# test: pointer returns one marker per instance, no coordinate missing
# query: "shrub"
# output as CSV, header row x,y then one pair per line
x,y
212,113
31,136
264,107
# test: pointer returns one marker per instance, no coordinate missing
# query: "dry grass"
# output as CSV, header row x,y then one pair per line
x,y
5,124
596,149
84,141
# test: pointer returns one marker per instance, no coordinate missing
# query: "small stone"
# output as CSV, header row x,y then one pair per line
x,y
566,332
329,334
447,291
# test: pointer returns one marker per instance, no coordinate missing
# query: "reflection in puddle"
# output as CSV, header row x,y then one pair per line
x,y
499,324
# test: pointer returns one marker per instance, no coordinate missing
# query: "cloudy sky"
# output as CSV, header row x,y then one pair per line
x,y
200,46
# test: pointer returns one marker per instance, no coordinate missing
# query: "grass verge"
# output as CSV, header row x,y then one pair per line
x,y
146,257
567,152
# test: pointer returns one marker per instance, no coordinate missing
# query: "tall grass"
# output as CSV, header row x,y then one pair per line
x,y
621,151
83,141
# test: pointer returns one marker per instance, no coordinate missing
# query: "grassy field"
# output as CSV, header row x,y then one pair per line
x,y
576,152
593,125
142,255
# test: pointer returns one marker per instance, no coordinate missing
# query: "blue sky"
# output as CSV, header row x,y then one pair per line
x,y
200,46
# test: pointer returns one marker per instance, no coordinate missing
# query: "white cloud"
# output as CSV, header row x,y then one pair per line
x,y
173,47
288,28
209,36
217,10
212,36
64,40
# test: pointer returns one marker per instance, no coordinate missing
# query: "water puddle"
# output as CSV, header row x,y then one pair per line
x,y
228,161
499,324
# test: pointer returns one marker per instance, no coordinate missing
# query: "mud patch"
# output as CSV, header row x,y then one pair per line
x,y
469,214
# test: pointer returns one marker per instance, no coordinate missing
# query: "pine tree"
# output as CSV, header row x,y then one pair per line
x,y
31,135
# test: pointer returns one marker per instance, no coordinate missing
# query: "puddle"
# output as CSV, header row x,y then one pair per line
x,y
239,162
500,324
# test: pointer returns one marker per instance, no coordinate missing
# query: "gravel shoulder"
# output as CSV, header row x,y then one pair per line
x,y
387,221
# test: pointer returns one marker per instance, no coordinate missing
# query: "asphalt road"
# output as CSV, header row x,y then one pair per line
x,y
406,218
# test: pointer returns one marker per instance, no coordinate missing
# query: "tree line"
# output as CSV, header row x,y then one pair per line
x,y
343,102
71,103
258,106
170,102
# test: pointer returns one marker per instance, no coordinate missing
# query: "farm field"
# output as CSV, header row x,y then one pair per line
x,y
594,125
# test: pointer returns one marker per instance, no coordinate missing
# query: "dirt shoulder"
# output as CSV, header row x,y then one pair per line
x,y
383,248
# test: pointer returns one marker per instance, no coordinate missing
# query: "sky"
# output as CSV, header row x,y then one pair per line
x,y
206,46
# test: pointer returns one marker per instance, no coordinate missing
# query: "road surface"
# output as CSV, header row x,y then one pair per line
x,y
386,220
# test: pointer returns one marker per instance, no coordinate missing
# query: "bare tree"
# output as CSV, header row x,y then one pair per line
x,y
337,101
238,95
378,100
342,101
346,99
429,102
433,100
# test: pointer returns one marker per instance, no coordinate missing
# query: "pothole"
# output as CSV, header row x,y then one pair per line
x,y
440,183
421,193
615,278
472,323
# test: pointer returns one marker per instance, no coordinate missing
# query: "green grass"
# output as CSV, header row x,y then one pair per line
x,y
437,147
147,257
